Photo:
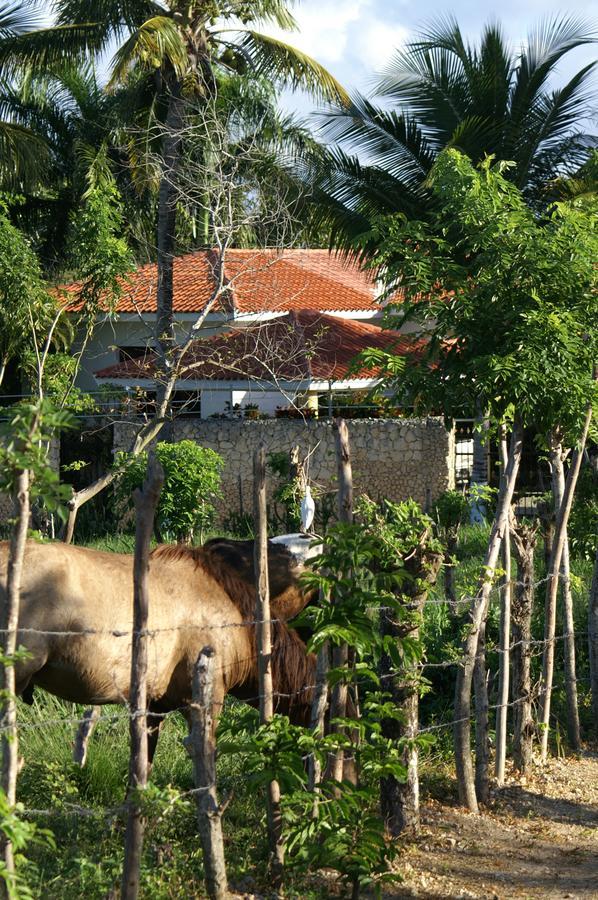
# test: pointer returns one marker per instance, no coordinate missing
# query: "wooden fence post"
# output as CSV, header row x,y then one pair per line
x,y
552,585
340,655
318,714
264,649
477,615
505,637
146,501
9,620
524,544
202,748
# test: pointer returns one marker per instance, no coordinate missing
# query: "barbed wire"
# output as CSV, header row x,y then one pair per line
x,y
290,695
248,623
305,692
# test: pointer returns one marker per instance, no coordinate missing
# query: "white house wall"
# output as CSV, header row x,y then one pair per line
x,y
102,349
268,401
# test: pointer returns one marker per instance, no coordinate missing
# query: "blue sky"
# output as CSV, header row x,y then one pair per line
x,y
356,38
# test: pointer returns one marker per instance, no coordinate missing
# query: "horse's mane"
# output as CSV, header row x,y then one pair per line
x,y
293,673
293,669
240,592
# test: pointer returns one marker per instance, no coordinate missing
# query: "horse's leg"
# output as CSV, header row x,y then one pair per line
x,y
155,721
25,670
85,730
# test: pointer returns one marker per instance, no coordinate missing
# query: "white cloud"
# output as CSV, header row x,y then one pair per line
x,y
322,28
377,43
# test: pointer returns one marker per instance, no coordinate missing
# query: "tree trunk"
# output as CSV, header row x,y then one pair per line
x,y
450,590
202,748
524,543
593,641
504,641
399,801
318,718
558,489
340,655
264,648
9,620
482,738
479,469
556,557
477,615
166,237
146,501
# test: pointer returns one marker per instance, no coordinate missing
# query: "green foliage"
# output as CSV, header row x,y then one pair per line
x,y
343,830
361,569
511,298
24,439
451,510
583,522
23,835
191,484
443,90
26,308
98,253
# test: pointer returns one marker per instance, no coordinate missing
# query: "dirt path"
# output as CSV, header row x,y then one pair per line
x,y
536,839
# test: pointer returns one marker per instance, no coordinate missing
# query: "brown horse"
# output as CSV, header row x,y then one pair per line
x,y
76,616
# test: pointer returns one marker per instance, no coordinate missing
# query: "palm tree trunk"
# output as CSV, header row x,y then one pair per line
x,y
477,615
558,489
166,236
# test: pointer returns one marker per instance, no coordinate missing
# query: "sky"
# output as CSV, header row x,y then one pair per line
x,y
354,39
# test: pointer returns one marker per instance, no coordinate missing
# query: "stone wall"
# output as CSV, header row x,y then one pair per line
x,y
393,458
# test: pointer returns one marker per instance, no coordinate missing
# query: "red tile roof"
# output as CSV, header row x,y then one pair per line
x,y
302,346
255,281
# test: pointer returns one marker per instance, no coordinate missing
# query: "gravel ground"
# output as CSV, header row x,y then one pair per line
x,y
536,838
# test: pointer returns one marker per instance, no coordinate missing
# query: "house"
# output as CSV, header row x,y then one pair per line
x,y
279,326
300,358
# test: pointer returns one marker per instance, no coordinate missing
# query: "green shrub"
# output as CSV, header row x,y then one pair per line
x,y
191,484
583,523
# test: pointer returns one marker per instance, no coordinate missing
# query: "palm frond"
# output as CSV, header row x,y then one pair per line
x,y
551,119
432,84
116,17
18,18
23,156
47,48
387,138
263,12
477,136
151,45
546,46
290,67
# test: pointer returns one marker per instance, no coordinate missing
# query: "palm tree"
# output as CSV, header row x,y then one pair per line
x,y
21,151
70,116
441,91
182,45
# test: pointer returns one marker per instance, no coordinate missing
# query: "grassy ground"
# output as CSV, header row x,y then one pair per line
x,y
83,808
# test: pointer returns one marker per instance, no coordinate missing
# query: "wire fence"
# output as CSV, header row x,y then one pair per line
x,y
199,633
195,629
